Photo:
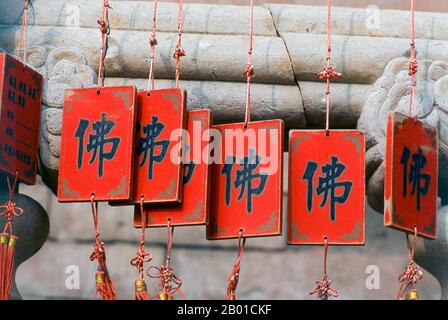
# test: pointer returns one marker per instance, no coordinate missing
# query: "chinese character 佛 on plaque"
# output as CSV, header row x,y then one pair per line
x,y
97,144
326,187
247,182
410,193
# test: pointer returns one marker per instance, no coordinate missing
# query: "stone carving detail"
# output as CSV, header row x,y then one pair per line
x,y
391,93
63,68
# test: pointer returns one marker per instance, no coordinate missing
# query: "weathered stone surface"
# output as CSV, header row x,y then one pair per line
x,y
360,59
227,100
31,228
358,22
137,15
347,101
208,57
63,68
391,93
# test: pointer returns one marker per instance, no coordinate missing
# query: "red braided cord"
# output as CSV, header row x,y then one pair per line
x,y
104,28
22,36
10,208
142,255
249,69
169,281
153,44
235,274
99,253
412,273
323,287
328,72
179,51
413,64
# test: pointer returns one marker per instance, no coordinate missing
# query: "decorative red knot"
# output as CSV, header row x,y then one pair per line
x,y
141,257
169,282
98,252
103,26
233,282
179,52
324,290
413,66
328,73
10,210
249,71
153,40
411,275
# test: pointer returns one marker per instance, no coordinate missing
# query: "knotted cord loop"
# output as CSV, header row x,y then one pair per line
x,y
169,281
10,208
98,249
328,72
105,32
412,273
152,43
249,69
179,51
142,255
413,64
235,274
23,31
323,287
104,284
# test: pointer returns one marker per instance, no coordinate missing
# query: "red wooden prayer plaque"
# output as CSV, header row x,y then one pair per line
x,y
247,186
97,144
157,165
410,193
20,93
193,209
326,187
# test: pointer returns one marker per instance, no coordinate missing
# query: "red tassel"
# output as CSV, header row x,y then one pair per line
x,y
8,241
7,250
4,239
141,293
10,263
104,286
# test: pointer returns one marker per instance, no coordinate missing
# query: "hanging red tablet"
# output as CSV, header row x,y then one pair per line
x,y
410,195
193,209
97,144
326,187
157,164
20,93
247,182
